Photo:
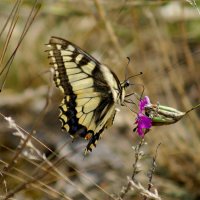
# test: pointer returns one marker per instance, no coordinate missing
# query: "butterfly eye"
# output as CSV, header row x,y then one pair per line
x,y
127,83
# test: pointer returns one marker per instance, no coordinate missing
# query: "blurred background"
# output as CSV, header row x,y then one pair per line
x,y
162,40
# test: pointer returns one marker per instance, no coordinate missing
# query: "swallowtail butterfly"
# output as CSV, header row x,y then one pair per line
x,y
91,91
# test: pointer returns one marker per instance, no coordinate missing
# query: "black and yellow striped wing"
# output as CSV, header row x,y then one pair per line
x,y
90,91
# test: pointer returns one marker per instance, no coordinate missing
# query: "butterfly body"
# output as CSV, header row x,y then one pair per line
x,y
91,91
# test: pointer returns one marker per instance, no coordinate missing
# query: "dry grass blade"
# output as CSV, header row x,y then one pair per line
x,y
21,176
109,28
14,10
30,19
36,175
40,171
14,17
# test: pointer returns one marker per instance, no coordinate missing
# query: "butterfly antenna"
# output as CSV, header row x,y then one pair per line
x,y
142,91
140,73
126,68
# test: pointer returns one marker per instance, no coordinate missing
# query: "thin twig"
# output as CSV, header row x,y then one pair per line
x,y
151,172
144,191
193,108
135,168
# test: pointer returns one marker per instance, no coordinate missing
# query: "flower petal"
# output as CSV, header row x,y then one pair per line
x,y
144,123
144,102
140,132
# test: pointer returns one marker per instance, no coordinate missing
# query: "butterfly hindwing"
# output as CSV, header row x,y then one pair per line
x,y
90,91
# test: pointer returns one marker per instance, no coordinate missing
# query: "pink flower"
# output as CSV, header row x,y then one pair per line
x,y
144,102
143,122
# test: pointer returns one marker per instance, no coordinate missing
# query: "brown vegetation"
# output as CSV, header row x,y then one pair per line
x,y
38,160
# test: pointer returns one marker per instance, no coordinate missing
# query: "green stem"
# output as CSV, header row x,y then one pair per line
x,y
193,108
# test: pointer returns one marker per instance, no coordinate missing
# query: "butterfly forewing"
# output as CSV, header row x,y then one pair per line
x,y
90,91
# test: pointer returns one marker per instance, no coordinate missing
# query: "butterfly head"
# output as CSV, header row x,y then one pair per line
x,y
126,84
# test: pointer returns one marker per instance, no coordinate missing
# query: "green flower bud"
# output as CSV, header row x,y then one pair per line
x,y
163,115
